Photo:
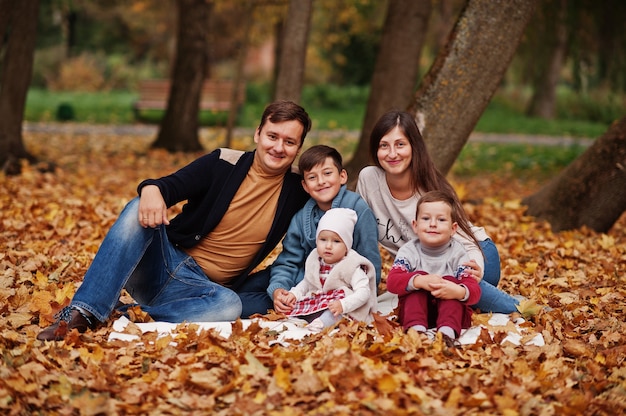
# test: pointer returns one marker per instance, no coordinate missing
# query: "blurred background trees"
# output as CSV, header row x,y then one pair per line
x,y
126,40
18,28
566,60
570,62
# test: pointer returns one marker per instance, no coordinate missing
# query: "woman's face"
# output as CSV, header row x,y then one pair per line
x,y
394,152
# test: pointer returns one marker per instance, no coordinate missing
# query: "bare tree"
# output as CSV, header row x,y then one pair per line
x,y
247,13
18,32
396,69
178,130
590,191
466,73
295,37
550,52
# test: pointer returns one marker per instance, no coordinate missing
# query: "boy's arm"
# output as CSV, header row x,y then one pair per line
x,y
464,278
473,289
300,289
366,238
400,276
289,264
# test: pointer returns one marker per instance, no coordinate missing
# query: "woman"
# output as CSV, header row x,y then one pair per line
x,y
403,172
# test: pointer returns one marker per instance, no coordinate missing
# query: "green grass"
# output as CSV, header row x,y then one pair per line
x,y
330,107
345,111
498,118
519,159
111,107
207,118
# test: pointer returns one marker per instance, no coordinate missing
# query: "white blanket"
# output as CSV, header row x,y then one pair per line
x,y
293,329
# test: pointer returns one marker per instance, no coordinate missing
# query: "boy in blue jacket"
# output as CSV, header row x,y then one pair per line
x,y
324,179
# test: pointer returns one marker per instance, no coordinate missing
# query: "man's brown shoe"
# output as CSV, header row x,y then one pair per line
x,y
66,320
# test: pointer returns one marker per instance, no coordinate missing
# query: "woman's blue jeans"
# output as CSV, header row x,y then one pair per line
x,y
167,282
493,299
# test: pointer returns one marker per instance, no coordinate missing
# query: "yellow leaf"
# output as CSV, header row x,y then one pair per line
x,y
531,266
528,308
454,398
18,320
387,383
254,366
282,378
40,302
163,342
41,280
606,242
207,379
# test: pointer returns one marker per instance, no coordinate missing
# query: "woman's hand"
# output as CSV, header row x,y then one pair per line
x,y
474,269
152,207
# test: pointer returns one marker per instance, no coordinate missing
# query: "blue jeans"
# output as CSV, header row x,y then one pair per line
x,y
167,282
493,299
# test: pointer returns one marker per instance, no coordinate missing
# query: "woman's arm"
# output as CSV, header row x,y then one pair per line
x,y
472,250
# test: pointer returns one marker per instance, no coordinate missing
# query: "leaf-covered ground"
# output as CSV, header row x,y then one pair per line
x,y
51,225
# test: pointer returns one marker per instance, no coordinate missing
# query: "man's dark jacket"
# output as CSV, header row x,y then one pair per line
x,y
209,184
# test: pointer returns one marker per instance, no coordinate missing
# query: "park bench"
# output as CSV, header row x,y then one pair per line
x,y
216,95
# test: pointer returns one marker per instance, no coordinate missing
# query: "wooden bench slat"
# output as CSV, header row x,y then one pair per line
x,y
215,96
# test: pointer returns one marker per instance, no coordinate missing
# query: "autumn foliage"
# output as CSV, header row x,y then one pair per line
x,y
51,225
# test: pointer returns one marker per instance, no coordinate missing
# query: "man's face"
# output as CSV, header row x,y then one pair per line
x,y
277,145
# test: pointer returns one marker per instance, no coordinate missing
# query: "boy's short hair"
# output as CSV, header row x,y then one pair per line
x,y
317,154
439,196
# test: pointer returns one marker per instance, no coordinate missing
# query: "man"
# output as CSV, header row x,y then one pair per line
x,y
197,268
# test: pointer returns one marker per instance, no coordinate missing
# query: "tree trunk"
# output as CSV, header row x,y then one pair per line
x,y
395,72
590,191
6,7
19,32
238,82
293,51
552,52
466,73
178,130
610,53
278,45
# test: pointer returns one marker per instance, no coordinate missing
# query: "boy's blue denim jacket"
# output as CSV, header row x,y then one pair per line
x,y
288,269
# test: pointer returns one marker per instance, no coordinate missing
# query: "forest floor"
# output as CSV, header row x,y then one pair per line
x,y
51,225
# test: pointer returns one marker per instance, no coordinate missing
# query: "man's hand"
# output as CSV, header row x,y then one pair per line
x,y
152,207
283,301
